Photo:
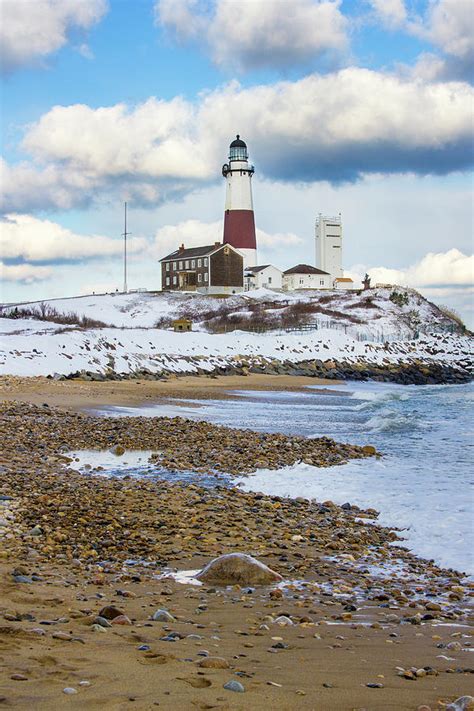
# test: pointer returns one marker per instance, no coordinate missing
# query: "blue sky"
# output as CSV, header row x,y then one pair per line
x,y
363,108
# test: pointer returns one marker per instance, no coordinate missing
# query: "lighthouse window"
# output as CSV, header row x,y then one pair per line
x,y
206,277
199,263
199,277
175,280
186,264
167,266
181,265
205,261
167,281
193,263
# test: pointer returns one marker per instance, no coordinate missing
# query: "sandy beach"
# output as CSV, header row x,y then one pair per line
x,y
334,635
81,395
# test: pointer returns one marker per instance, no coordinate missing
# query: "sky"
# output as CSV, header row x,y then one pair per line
x,y
358,107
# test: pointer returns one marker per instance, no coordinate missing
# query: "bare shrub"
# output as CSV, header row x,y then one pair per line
x,y
46,312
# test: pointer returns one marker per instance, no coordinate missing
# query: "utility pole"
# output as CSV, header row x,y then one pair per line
x,y
124,235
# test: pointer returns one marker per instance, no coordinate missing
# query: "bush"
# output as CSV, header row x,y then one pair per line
x,y
46,312
399,298
453,315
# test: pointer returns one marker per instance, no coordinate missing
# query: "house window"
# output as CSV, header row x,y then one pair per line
x,y
301,281
193,264
269,280
199,277
321,281
206,277
175,280
226,250
175,265
205,261
167,266
199,263
181,265
186,264
167,281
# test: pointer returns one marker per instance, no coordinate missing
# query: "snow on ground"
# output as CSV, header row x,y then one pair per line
x,y
368,314
349,328
126,350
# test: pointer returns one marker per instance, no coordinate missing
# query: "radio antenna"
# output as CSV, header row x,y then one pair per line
x,y
125,235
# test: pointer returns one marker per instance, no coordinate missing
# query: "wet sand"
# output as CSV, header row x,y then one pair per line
x,y
349,627
79,395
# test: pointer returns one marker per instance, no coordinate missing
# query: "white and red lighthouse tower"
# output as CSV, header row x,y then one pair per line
x,y
239,222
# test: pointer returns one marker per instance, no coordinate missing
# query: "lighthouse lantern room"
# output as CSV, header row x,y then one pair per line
x,y
239,222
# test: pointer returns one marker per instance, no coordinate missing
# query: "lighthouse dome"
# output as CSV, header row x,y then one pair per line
x,y
238,149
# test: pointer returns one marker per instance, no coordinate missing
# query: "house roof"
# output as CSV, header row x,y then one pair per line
x,y
191,252
305,269
343,279
257,269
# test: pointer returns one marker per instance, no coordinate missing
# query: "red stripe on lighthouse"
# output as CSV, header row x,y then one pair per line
x,y
239,229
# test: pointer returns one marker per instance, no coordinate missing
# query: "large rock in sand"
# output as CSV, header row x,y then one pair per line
x,y
237,569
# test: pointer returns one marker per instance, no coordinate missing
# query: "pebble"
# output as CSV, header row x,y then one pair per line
x,y
69,690
233,685
163,616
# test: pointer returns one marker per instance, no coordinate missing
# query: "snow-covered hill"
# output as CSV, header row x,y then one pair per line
x,y
349,333
382,314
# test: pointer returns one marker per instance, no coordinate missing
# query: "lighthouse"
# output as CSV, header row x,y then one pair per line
x,y
239,222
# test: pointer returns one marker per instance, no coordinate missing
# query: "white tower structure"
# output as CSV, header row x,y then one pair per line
x,y
329,245
239,221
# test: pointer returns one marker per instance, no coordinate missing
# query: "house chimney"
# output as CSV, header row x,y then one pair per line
x,y
181,248
217,244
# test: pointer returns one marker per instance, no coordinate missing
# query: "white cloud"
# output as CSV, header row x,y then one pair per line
x,y
442,270
32,30
335,127
450,25
24,273
391,13
194,233
33,240
260,33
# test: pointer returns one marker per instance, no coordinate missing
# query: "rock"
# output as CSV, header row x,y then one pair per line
x,y
284,621
233,685
110,612
163,616
118,450
214,663
22,579
463,703
102,621
69,690
369,449
237,569
121,620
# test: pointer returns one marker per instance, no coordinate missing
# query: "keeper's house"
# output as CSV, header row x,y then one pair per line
x,y
214,269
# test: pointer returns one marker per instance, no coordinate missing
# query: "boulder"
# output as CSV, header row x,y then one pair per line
x,y
237,569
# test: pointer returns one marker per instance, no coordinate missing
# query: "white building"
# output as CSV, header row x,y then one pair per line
x,y
265,276
342,283
304,276
329,245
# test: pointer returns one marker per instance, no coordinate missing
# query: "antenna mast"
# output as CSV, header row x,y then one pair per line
x,y
124,235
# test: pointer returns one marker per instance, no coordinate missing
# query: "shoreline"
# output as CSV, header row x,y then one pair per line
x,y
76,395
349,627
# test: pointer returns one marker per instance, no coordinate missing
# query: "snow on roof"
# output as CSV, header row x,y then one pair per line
x,y
305,269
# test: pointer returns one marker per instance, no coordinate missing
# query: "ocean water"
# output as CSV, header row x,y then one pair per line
x,y
424,482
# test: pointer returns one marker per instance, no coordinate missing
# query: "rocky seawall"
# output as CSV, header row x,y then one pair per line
x,y
417,372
